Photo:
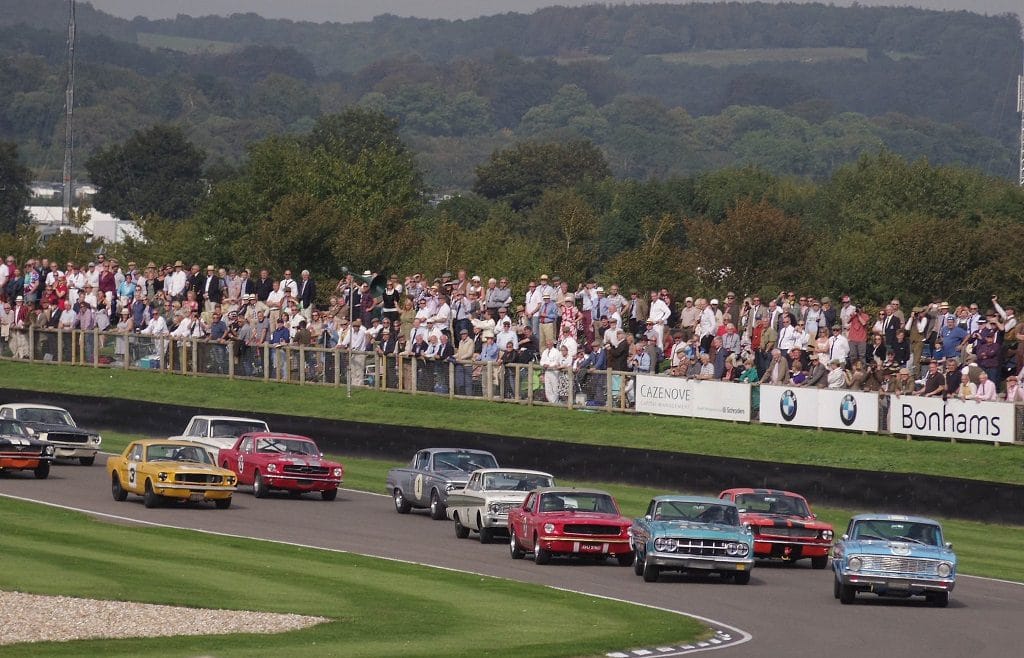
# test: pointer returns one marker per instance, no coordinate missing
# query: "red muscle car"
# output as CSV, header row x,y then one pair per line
x,y
563,521
783,525
269,460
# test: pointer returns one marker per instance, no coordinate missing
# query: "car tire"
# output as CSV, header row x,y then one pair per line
x,y
650,572
625,559
437,508
847,594
42,471
835,587
258,488
461,531
87,461
150,498
819,562
116,490
638,564
485,534
938,599
222,503
327,494
741,577
513,547
540,555
402,505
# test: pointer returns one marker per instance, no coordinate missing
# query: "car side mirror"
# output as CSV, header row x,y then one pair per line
x,y
845,537
647,517
949,545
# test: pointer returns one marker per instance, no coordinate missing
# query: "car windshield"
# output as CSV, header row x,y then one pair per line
x,y
563,501
903,531
699,512
12,427
766,503
47,416
513,481
235,428
463,461
177,453
287,446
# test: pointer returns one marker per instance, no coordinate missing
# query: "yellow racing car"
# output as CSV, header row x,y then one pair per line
x,y
161,470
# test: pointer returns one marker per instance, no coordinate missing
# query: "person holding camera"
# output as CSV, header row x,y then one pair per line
x,y
858,333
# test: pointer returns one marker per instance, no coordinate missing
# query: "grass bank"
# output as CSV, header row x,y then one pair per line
x,y
378,607
979,461
983,549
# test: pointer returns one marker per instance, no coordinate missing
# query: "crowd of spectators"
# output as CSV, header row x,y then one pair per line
x,y
932,349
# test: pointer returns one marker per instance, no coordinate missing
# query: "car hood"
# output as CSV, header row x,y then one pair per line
x,y
900,549
302,460
783,521
223,443
187,467
696,529
57,427
7,440
453,475
584,517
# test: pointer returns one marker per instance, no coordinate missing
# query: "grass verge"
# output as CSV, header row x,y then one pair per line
x,y
379,607
978,461
983,549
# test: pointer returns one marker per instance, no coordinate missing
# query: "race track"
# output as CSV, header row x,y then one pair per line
x,y
786,609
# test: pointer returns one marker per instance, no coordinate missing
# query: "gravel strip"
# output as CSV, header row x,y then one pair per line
x,y
35,618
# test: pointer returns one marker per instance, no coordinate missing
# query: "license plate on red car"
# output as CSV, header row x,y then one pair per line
x,y
591,548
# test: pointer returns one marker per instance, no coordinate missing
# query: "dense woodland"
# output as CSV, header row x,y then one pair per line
x,y
663,91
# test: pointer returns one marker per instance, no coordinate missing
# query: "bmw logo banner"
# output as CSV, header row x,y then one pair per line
x,y
814,407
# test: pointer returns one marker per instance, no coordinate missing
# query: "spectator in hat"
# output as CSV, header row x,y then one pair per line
x,y
463,369
548,315
952,338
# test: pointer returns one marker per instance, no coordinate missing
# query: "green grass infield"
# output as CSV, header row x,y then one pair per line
x,y
983,549
377,607
978,461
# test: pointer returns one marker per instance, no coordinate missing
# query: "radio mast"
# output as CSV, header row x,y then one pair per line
x,y
69,105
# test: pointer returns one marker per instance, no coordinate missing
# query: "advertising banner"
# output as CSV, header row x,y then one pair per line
x,y
693,398
789,405
848,410
959,419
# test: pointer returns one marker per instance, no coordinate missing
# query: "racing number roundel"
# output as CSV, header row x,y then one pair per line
x,y
417,487
131,475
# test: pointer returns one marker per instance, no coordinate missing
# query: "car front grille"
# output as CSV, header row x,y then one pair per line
x,y
799,533
706,547
300,469
66,437
893,564
197,478
591,529
21,451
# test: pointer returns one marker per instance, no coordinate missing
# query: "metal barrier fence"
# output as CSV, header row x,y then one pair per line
x,y
530,384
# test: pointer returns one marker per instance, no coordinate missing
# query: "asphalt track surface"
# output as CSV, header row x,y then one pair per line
x,y
786,609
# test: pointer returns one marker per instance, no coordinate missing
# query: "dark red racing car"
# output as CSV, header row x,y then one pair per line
x,y
269,460
783,524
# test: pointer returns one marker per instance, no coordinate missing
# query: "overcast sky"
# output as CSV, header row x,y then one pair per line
x,y
360,10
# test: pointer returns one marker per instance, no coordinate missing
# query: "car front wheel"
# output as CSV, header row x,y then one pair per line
x,y
436,507
938,599
150,498
402,505
741,577
625,559
329,494
42,471
540,555
819,562
259,489
638,564
116,490
847,594
87,461
486,534
222,503
650,572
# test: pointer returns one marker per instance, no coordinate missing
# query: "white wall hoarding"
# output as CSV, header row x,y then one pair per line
x,y
689,397
814,407
960,419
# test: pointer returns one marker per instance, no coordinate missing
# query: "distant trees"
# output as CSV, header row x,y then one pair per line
x,y
154,172
15,192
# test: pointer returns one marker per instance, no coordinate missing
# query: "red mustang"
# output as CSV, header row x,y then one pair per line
x,y
268,460
783,525
561,521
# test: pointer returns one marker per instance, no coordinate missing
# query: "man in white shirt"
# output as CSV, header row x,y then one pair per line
x,y
289,285
551,361
174,285
76,281
506,335
838,345
355,340
532,303
707,326
659,314
787,335
986,391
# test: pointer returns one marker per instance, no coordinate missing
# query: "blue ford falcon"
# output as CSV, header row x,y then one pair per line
x,y
891,555
692,533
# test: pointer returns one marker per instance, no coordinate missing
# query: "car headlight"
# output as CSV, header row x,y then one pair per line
x,y
337,472
494,508
161,476
944,570
666,544
230,479
732,548
451,486
827,535
854,564
744,549
97,439
30,430
549,527
47,450
271,468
